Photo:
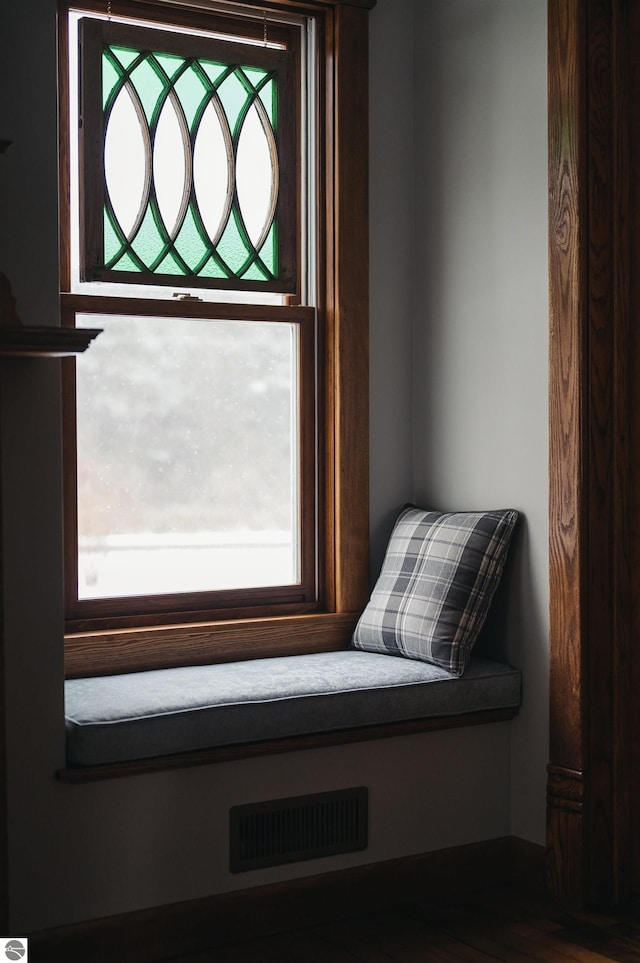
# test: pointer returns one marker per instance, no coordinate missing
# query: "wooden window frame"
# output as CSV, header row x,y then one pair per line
x,y
342,388
283,63
95,614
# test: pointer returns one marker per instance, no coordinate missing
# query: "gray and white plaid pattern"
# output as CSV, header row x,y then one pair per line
x,y
436,584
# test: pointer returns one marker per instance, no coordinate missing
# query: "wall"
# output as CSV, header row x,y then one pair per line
x,y
79,852
481,310
391,251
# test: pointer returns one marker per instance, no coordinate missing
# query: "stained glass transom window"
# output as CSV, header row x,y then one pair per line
x,y
192,184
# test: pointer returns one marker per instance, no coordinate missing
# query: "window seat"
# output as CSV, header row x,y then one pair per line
x,y
144,715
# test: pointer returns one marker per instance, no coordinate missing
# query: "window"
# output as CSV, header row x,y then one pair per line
x,y
188,149
213,224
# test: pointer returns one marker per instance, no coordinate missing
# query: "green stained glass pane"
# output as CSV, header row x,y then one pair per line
x,y
126,55
268,98
110,78
170,63
212,269
213,70
191,91
126,263
170,265
269,251
233,96
254,74
189,243
255,273
148,242
148,86
112,244
232,247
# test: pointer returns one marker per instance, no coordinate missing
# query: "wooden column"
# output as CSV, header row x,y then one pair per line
x,y
632,666
588,824
567,270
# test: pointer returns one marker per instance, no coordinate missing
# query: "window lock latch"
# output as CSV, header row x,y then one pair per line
x,y
186,297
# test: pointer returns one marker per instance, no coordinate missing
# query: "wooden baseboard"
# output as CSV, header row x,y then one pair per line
x,y
527,865
217,921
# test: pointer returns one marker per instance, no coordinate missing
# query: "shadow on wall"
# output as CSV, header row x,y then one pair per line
x,y
514,588
510,603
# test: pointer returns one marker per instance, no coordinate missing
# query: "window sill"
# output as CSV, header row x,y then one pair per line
x,y
193,716
118,651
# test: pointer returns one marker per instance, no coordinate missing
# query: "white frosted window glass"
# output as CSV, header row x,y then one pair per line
x,y
256,175
126,171
212,166
187,457
170,167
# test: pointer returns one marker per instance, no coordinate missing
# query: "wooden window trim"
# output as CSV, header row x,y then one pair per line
x,y
280,62
343,187
115,613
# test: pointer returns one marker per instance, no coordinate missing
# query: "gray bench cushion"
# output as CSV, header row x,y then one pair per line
x,y
146,714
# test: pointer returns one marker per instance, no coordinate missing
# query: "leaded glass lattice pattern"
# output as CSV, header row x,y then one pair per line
x,y
191,176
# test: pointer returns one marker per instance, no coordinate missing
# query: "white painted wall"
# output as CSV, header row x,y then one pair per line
x,y
391,248
79,852
481,310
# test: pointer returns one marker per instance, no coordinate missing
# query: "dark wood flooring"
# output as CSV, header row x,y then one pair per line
x,y
501,924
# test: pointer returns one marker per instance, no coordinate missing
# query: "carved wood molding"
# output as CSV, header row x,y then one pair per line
x,y
565,789
564,861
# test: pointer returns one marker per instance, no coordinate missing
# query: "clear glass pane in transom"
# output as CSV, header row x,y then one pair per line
x,y
213,171
188,466
256,173
171,156
126,161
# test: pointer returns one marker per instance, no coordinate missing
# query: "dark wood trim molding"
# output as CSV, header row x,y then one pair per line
x,y
632,668
563,864
565,789
211,923
567,549
295,4
588,824
304,743
349,311
4,827
45,342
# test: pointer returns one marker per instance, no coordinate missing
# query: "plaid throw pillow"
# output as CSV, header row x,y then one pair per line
x,y
436,584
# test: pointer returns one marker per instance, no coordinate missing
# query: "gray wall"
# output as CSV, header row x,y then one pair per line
x,y
85,851
481,310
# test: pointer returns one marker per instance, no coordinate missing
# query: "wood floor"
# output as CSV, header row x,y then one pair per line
x,y
497,925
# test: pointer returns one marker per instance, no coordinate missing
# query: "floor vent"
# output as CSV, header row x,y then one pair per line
x,y
303,827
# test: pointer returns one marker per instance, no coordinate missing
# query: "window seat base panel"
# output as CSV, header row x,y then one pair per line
x,y
143,715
